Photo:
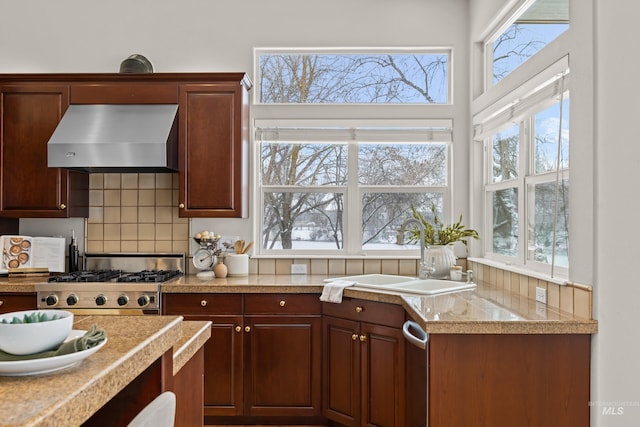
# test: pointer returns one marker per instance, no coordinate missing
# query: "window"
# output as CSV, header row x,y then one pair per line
x,y
527,179
347,186
347,141
537,24
353,78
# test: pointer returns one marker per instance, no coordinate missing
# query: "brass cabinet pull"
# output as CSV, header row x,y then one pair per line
x,y
238,328
283,303
203,303
359,309
247,328
354,336
363,338
181,205
63,206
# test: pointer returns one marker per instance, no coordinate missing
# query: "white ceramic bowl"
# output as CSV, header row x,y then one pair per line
x,y
29,338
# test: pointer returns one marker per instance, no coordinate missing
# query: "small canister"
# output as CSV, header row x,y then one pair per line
x,y
455,273
237,264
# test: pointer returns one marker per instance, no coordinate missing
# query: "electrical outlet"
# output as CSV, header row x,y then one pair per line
x,y
541,295
298,268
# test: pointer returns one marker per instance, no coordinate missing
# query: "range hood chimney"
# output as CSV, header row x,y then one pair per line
x,y
133,138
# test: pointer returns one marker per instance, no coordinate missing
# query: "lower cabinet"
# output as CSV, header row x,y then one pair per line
x,y
364,364
263,358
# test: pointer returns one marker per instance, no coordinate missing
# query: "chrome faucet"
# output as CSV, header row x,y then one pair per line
x,y
423,270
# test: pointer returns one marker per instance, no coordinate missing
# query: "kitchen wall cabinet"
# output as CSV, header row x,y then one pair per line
x,y
30,112
17,302
263,359
214,149
364,364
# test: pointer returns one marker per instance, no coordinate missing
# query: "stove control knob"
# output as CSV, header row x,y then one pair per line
x,y
123,300
101,300
51,300
143,300
72,299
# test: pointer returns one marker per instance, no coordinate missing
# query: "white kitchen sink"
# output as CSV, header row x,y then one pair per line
x,y
374,279
431,286
406,284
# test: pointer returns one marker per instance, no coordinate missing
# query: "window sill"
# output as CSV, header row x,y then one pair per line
x,y
520,270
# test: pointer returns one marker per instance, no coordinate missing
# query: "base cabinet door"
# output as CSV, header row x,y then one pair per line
x,y
282,366
364,366
222,352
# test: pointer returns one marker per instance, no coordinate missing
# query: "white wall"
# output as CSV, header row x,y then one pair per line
x,y
616,353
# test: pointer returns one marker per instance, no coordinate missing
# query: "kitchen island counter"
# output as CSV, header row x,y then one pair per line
x,y
71,396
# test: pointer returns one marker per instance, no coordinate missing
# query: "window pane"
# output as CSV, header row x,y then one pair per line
x,y
546,138
304,164
354,78
384,213
402,164
539,25
506,149
505,222
302,221
541,216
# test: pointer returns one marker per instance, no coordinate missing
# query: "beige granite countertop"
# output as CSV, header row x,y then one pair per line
x,y
484,310
70,396
194,334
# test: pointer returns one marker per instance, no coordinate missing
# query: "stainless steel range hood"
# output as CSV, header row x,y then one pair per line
x,y
116,138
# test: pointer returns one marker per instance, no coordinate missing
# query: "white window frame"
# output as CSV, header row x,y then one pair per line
x,y
545,92
350,132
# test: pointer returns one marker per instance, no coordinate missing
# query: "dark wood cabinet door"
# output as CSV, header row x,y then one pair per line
x,y
29,188
383,376
341,370
223,352
223,367
213,150
282,366
17,302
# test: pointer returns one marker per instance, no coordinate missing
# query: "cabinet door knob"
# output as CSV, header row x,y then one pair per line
x,y
63,206
181,205
1,302
354,336
238,328
247,328
203,303
359,309
283,303
363,338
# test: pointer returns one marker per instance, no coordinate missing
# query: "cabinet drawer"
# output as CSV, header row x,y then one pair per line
x,y
282,304
366,311
202,303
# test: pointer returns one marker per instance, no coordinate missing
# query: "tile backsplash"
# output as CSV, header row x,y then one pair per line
x,y
133,212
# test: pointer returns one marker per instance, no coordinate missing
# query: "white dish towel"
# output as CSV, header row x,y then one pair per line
x,y
332,291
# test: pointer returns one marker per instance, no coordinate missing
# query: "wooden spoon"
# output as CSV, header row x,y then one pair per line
x,y
246,249
238,246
